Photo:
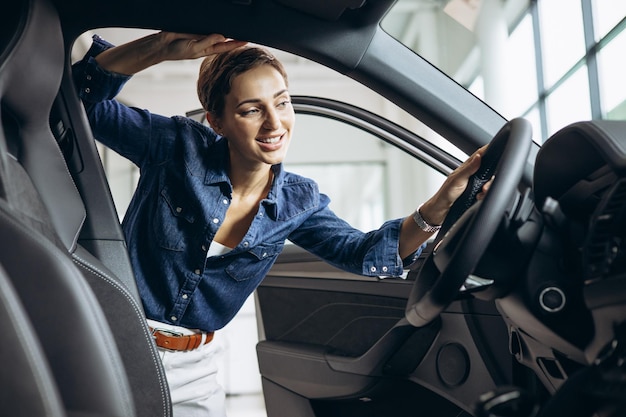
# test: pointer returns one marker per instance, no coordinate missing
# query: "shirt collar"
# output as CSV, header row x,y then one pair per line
x,y
217,161
271,202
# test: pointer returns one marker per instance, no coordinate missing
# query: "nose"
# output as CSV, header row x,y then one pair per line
x,y
272,119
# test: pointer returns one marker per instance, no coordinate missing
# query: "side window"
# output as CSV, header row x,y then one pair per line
x,y
367,179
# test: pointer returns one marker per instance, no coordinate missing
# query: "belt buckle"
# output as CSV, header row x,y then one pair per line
x,y
166,332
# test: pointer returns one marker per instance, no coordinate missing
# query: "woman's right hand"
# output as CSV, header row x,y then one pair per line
x,y
137,55
178,46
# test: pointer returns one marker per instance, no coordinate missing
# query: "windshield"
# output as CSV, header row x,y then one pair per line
x,y
508,53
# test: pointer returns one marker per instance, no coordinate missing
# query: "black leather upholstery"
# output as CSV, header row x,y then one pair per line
x,y
28,387
67,320
132,336
31,77
96,354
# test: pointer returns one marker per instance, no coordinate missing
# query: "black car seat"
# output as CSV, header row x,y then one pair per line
x,y
69,325
100,252
88,321
68,322
27,387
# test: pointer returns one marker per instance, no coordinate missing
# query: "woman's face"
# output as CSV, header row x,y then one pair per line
x,y
258,118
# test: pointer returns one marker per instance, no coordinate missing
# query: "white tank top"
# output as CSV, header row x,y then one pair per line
x,y
217,249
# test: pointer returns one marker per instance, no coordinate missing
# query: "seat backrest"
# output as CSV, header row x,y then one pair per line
x,y
67,319
31,75
42,195
27,385
130,331
68,322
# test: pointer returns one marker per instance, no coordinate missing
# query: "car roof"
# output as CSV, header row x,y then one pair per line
x,y
303,27
344,35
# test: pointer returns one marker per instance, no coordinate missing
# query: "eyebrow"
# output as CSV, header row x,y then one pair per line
x,y
257,100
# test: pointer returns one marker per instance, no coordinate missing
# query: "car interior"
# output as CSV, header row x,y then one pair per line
x,y
516,308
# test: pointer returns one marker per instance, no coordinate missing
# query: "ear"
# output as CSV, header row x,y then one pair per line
x,y
214,123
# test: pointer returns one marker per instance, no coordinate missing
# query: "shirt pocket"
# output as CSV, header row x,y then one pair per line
x,y
174,220
255,263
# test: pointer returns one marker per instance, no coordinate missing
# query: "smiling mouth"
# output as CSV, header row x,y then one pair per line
x,y
270,141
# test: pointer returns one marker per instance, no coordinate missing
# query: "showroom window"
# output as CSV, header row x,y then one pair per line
x,y
611,69
561,62
562,37
580,64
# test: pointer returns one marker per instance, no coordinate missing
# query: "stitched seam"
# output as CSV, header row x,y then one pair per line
x,y
138,312
44,242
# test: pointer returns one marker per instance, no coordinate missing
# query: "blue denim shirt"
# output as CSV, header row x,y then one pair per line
x,y
182,197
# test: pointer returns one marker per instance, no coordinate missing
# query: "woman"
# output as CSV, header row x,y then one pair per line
x,y
213,206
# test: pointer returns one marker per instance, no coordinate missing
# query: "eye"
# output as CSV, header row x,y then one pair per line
x,y
250,112
283,104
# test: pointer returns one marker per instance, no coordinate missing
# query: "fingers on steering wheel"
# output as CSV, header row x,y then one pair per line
x,y
473,160
483,192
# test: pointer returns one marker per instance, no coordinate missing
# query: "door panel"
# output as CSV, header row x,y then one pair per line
x,y
339,338
337,344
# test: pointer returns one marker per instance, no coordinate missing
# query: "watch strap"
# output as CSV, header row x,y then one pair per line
x,y
423,224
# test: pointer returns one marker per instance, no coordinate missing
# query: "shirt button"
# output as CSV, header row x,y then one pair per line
x,y
174,318
197,272
225,201
264,254
185,296
88,77
260,214
179,209
246,244
204,249
216,220
87,90
373,269
385,269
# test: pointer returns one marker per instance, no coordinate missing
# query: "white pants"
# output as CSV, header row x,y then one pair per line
x,y
192,377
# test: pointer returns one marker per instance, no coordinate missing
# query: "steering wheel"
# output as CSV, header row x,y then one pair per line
x,y
468,227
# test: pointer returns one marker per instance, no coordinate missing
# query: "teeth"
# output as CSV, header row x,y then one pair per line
x,y
270,140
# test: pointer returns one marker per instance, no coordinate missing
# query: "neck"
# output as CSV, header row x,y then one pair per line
x,y
251,183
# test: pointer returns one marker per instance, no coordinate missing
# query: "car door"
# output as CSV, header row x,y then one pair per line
x,y
337,344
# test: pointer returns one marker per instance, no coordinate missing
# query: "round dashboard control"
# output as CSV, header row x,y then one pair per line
x,y
552,299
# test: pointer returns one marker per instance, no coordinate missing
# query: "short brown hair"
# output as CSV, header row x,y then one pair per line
x,y
218,71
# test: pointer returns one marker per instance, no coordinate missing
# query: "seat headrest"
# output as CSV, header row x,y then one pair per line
x,y
581,152
31,70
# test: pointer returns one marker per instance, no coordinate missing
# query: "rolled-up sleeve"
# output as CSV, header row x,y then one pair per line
x,y
94,83
374,253
129,131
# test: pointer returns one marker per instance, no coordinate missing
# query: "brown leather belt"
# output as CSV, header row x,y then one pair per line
x,y
167,339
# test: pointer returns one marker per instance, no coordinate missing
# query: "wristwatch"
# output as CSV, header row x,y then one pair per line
x,y
423,224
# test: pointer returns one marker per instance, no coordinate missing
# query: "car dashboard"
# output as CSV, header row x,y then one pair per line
x,y
564,315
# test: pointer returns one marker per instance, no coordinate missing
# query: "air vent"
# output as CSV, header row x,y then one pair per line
x,y
604,250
